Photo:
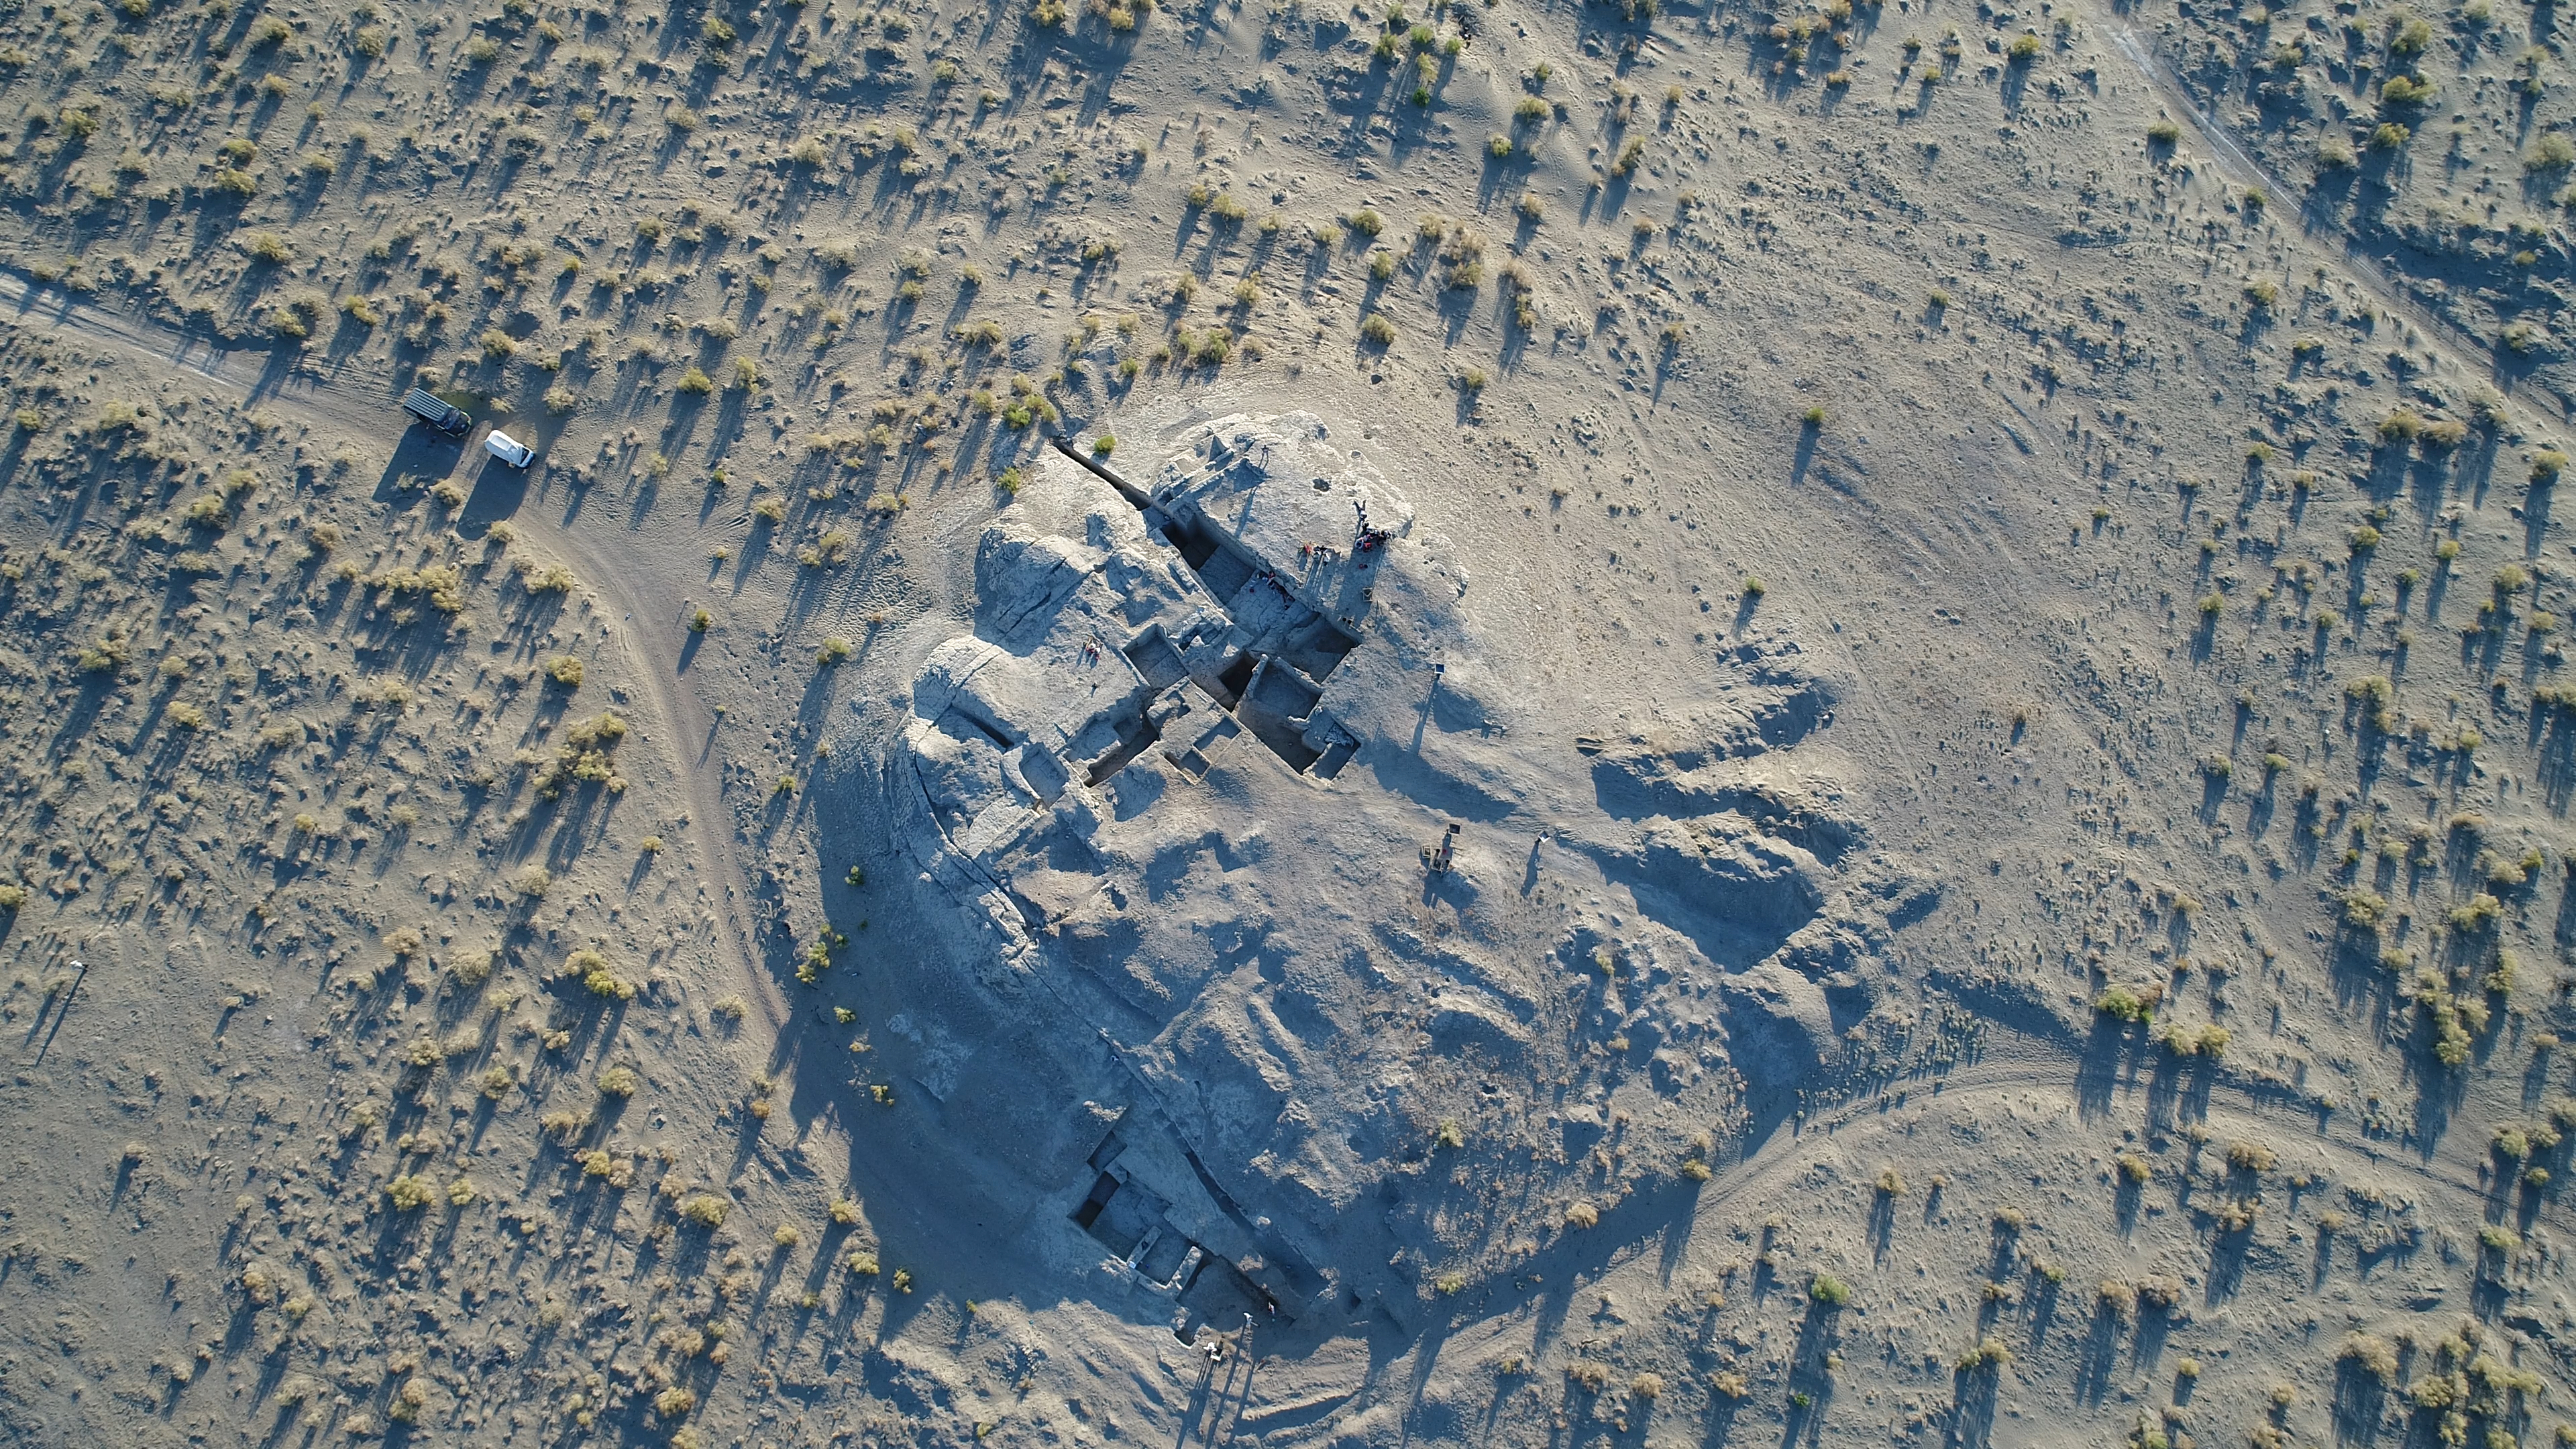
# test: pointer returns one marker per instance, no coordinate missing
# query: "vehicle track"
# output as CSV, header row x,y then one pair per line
x,y
2030,1065
2026,1065
2366,269
676,713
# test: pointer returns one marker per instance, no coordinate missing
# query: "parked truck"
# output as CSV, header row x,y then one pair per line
x,y
429,409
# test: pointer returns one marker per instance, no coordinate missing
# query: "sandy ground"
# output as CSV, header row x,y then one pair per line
x,y
1980,585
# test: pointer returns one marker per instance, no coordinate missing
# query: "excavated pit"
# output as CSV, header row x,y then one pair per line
x,y
1258,965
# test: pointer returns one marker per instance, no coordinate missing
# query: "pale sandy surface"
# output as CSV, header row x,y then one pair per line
x,y
2167,600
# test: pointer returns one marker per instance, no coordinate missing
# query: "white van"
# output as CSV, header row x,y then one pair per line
x,y
508,449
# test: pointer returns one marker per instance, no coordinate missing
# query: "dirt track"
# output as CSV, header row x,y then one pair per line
x,y
675,715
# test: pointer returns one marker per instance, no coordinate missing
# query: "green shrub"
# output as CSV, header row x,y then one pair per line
x,y
2403,91
2123,1004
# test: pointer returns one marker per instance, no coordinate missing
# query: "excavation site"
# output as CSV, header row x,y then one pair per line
x,y
1695,725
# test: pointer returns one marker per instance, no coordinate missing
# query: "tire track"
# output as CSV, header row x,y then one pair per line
x,y
677,712
2374,278
2038,1067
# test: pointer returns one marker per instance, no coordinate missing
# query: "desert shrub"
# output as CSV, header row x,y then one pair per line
x,y
2369,1354
1988,1355
2247,1156
2555,152
2404,91
1582,1215
597,979
2122,1003
2478,914
1828,1290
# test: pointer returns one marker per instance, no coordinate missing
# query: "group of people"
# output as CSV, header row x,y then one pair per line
x,y
1365,539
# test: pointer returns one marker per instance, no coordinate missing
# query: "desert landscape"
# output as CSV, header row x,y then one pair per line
x,y
1526,724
